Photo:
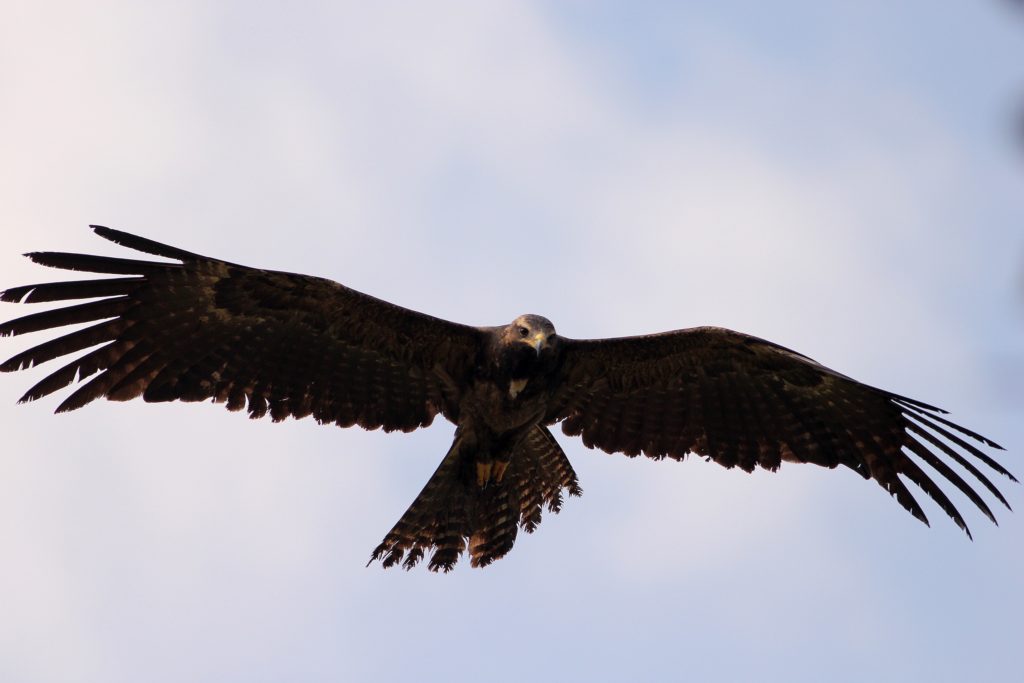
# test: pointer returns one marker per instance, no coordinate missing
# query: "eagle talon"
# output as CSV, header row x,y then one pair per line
x,y
499,471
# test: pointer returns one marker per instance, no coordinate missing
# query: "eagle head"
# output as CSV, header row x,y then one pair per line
x,y
535,331
524,348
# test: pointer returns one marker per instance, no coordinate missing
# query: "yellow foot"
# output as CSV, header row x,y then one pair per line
x,y
483,473
499,471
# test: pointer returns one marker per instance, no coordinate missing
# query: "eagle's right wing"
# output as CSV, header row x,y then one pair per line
x,y
275,342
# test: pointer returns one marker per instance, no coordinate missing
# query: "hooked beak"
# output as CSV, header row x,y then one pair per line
x,y
538,342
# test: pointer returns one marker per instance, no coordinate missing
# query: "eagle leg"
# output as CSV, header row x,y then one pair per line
x,y
483,473
499,469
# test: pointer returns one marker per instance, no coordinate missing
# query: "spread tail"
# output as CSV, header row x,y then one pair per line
x,y
452,514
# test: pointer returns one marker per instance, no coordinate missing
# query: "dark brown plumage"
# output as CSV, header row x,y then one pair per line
x,y
284,344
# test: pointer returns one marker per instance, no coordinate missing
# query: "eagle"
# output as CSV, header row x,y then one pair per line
x,y
195,328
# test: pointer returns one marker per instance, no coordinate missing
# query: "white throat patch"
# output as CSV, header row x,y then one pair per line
x,y
515,386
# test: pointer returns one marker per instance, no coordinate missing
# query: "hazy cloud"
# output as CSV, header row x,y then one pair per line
x,y
796,176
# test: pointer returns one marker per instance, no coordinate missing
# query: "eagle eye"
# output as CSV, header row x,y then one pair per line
x,y
523,332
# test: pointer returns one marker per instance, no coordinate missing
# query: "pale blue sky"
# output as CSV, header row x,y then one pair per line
x,y
839,179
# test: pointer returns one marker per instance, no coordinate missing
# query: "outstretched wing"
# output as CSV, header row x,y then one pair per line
x,y
746,402
275,342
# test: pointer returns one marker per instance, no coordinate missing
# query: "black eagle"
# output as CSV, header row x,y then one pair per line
x,y
284,344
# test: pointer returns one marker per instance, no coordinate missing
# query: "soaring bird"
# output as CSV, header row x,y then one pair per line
x,y
195,328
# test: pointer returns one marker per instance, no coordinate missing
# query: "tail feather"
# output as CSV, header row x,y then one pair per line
x,y
452,515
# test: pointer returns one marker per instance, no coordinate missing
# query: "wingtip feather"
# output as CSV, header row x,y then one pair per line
x,y
143,244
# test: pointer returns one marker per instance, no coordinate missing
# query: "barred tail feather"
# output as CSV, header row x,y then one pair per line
x,y
452,515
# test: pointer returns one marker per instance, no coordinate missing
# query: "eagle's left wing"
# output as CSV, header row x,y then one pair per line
x,y
280,343
742,401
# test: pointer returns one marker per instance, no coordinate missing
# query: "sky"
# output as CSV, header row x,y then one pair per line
x,y
839,178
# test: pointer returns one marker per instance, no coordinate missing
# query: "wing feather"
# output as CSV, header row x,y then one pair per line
x,y
75,289
69,315
280,343
746,402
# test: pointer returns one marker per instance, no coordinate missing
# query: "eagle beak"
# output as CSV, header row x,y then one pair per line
x,y
539,340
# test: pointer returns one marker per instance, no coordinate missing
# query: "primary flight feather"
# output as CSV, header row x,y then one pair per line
x,y
283,344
